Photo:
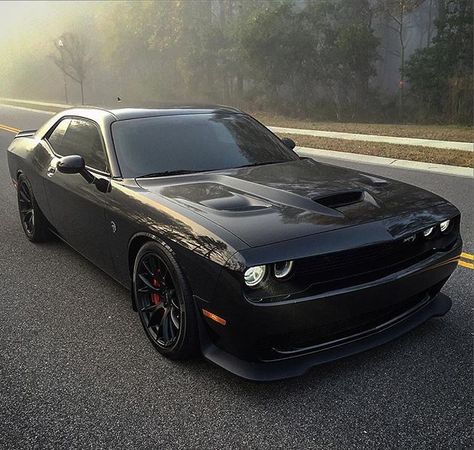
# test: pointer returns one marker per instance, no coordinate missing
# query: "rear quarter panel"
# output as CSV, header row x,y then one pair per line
x,y
26,155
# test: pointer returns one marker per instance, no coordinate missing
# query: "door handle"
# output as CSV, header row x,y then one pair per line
x,y
51,171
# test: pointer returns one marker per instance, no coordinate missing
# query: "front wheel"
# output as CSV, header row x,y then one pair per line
x,y
164,302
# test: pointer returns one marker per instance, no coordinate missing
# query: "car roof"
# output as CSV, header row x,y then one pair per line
x,y
105,117
135,112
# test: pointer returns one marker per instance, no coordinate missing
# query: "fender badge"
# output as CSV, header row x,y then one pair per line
x,y
113,226
410,238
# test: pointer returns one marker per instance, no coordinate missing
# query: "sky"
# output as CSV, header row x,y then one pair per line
x,y
37,16
16,16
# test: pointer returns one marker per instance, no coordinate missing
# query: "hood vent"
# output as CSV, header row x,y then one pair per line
x,y
341,199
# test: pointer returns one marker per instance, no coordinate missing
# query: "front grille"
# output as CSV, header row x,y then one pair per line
x,y
361,261
332,271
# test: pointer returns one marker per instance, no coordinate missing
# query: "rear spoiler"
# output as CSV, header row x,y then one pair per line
x,y
25,133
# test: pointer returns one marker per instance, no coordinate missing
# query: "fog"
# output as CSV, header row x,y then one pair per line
x,y
322,59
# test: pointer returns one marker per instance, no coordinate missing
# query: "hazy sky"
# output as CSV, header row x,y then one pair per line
x,y
19,16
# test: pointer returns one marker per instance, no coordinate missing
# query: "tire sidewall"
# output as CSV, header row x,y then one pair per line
x,y
186,343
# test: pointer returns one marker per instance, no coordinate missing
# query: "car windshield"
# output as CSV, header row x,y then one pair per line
x,y
176,144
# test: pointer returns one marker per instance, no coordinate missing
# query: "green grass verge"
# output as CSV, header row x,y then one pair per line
x,y
395,151
437,132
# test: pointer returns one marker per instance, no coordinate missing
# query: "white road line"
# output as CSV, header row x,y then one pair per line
x,y
41,111
389,162
34,102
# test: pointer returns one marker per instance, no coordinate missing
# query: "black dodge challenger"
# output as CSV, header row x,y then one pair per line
x,y
231,244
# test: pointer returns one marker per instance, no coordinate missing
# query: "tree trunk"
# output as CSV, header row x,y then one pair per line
x,y
82,91
65,88
402,60
240,86
430,23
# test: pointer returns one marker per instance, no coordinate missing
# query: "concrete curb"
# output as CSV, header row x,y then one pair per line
x,y
388,162
446,145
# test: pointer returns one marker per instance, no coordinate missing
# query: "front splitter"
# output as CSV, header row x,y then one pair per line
x,y
298,365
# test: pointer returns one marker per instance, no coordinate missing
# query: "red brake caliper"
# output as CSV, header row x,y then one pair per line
x,y
155,297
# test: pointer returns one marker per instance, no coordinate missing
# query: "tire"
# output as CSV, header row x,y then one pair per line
x,y
164,302
33,222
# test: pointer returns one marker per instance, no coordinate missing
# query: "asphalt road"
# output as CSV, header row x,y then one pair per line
x,y
77,371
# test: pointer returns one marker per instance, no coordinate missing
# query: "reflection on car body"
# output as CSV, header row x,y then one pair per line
x,y
230,243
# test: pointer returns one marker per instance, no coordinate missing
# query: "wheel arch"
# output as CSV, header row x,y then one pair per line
x,y
200,272
135,244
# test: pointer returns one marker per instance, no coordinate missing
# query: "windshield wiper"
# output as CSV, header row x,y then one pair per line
x,y
262,164
168,172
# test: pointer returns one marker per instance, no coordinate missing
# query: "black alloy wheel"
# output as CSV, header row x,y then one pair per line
x,y
164,302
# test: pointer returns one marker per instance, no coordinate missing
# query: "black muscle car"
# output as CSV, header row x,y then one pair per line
x,y
231,244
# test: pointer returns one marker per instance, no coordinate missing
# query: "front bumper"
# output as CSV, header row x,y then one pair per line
x,y
265,342
292,367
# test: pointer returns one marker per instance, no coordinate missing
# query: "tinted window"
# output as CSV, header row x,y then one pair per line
x,y
56,137
195,142
79,137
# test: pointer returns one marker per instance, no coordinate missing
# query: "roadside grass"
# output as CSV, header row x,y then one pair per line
x,y
395,151
437,132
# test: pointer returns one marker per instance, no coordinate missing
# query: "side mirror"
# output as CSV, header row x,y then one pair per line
x,y
290,143
74,164
71,164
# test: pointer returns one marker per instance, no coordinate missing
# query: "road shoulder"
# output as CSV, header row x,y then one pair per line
x,y
389,162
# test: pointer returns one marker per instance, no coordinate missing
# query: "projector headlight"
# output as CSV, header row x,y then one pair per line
x,y
428,232
254,275
444,226
282,269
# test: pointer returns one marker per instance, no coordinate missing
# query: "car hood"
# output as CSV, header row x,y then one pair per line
x,y
276,202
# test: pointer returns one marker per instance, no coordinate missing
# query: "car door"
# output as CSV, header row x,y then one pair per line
x,y
77,207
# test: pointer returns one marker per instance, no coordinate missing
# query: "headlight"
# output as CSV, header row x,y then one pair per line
x,y
282,269
428,232
254,275
443,226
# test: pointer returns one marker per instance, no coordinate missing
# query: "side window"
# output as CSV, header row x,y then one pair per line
x,y
56,137
82,138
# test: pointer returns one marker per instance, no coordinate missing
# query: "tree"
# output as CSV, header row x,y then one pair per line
x,y
314,58
397,11
440,76
72,58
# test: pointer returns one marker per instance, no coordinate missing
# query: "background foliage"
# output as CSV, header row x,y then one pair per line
x,y
305,58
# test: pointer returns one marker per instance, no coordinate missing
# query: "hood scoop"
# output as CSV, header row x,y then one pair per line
x,y
346,199
236,202
340,199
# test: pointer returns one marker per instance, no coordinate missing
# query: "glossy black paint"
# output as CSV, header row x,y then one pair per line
x,y
290,143
71,164
220,223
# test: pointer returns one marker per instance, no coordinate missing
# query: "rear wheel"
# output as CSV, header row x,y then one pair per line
x,y
164,302
32,219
